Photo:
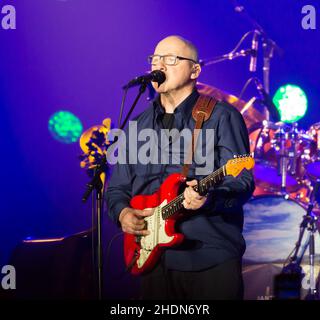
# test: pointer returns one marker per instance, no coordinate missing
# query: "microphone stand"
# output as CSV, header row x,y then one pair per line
x,y
268,46
228,56
142,89
97,185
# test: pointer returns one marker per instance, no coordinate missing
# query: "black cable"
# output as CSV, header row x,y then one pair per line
x,y
245,86
108,248
288,257
122,106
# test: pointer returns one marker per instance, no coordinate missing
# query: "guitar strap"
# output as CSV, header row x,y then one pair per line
x,y
201,112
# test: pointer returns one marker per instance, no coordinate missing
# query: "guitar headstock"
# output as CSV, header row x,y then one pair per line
x,y
236,165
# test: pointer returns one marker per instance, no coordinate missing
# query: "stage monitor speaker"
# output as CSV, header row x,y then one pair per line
x,y
54,268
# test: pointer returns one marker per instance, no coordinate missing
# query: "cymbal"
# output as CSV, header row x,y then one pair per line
x,y
250,114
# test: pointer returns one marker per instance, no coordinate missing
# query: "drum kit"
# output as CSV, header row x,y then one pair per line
x,y
286,170
287,167
285,202
286,173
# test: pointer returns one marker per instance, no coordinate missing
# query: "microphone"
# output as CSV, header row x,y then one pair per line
x,y
154,76
267,101
254,52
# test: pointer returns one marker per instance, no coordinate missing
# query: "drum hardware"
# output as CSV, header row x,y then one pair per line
x,y
278,149
294,267
293,151
286,145
287,166
287,160
283,161
313,166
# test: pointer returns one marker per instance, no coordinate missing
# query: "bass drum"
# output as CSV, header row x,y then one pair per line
x,y
271,229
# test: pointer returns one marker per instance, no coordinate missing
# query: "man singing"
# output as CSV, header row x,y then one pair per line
x,y
207,265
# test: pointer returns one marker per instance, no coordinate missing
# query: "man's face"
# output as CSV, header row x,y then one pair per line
x,y
179,75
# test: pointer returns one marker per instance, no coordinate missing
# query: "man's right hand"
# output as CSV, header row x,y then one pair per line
x,y
132,221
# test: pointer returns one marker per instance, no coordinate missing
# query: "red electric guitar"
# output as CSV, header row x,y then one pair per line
x,y
142,252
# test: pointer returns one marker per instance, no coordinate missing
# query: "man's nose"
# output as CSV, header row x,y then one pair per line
x,y
160,66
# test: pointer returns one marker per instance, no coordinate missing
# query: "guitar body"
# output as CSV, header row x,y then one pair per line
x,y
141,253
147,250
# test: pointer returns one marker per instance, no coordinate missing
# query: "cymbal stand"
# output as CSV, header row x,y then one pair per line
x,y
283,160
308,223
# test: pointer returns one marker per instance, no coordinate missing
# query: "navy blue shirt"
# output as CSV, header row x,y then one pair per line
x,y
213,233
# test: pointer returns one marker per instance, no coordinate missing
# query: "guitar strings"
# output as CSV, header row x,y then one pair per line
x,y
178,200
212,176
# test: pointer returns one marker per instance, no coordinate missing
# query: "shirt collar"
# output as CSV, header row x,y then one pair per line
x,y
184,108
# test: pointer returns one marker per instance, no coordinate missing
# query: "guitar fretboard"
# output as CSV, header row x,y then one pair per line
x,y
176,204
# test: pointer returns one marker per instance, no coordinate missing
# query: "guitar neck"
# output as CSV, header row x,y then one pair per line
x,y
176,204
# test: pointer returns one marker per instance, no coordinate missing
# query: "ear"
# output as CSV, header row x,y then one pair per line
x,y
196,69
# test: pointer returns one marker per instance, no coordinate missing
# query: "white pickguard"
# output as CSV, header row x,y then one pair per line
x,y
156,226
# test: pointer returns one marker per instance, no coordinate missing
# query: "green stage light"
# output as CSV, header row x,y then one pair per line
x,y
65,127
291,102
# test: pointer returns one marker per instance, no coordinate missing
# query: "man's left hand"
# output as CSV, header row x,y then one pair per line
x,y
192,199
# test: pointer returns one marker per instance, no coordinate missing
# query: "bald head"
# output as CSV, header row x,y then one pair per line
x,y
179,46
182,74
